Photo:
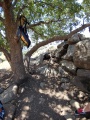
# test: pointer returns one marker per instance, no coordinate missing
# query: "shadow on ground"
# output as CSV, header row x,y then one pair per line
x,y
42,98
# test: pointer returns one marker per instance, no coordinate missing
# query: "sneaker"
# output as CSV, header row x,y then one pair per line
x,y
80,112
2,112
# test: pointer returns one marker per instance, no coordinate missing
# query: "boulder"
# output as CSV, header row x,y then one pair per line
x,y
76,38
48,71
81,56
63,73
62,49
83,73
77,81
70,53
68,66
35,61
9,94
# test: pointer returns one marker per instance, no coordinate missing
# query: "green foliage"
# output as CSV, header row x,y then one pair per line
x,y
62,13
60,16
3,40
86,7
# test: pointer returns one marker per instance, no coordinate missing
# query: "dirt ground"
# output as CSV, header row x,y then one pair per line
x,y
43,98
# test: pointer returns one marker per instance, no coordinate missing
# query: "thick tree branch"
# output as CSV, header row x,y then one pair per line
x,y
56,38
78,30
7,55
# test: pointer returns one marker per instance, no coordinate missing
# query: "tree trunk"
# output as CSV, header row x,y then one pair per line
x,y
17,61
15,48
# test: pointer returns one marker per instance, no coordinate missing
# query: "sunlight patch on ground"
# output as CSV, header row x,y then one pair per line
x,y
24,114
53,93
61,110
26,99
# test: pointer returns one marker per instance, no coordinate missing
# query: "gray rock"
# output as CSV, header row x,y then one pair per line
x,y
42,69
65,86
68,66
63,73
76,38
70,53
33,61
9,94
1,90
64,80
48,71
77,82
62,49
83,73
82,54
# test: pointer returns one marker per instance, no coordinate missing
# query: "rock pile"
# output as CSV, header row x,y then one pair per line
x,y
72,61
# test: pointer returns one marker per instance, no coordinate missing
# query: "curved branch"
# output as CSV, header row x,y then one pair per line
x,y
56,38
78,29
7,55
38,45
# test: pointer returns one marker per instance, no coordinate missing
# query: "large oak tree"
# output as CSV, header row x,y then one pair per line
x,y
50,20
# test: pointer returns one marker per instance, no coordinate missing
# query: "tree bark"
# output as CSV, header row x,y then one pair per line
x,y
15,48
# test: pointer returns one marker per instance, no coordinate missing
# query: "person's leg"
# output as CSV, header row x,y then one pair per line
x,y
87,108
84,110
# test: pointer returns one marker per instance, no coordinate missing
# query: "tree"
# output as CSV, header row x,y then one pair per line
x,y
49,20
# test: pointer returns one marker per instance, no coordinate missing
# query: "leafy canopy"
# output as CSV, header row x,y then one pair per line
x,y
47,17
